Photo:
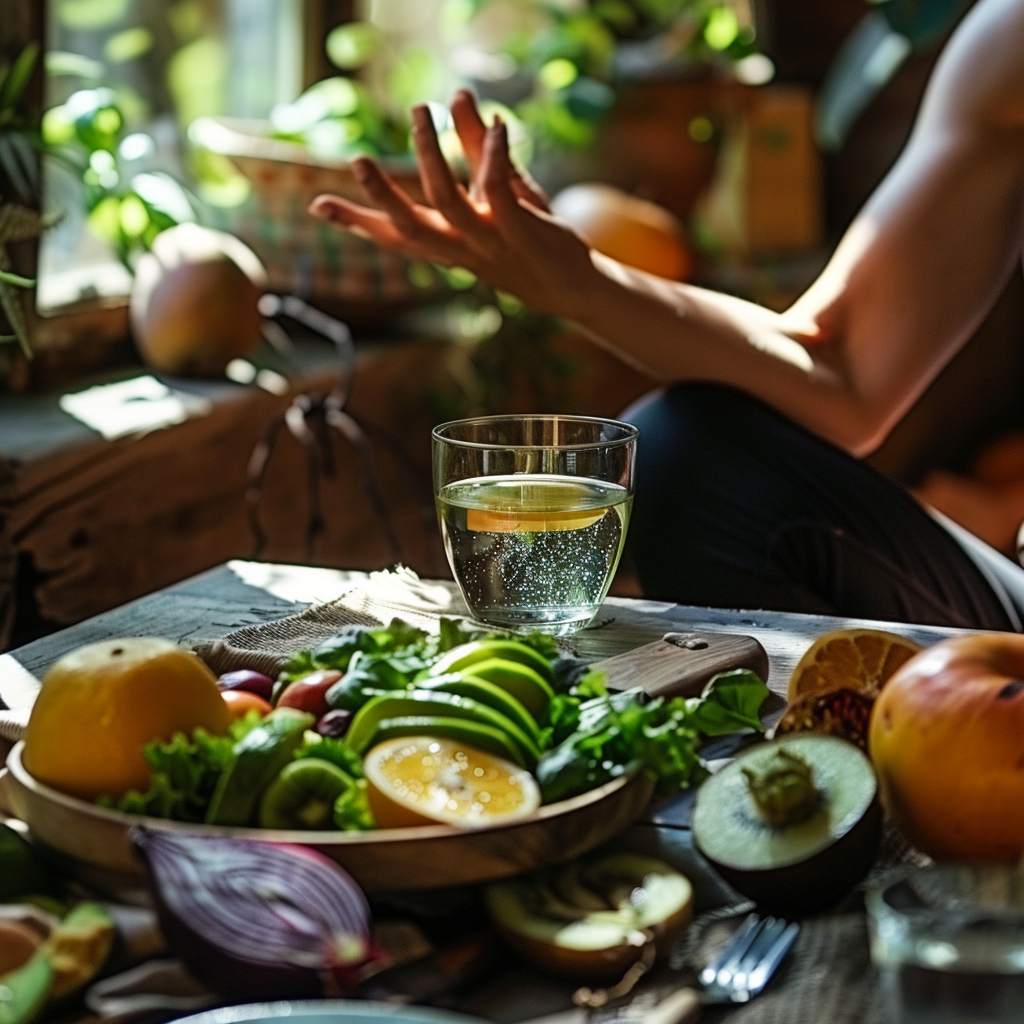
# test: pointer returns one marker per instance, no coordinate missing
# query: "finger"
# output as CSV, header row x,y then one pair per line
x,y
470,127
439,184
386,195
359,220
376,226
472,134
529,191
495,174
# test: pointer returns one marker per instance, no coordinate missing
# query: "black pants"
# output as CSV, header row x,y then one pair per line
x,y
738,507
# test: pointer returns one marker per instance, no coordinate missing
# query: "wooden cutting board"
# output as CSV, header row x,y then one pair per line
x,y
680,664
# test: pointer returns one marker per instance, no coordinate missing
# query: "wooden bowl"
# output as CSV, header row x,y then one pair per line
x,y
428,857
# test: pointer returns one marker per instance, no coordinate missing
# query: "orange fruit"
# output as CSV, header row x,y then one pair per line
x,y
633,231
426,780
101,704
947,741
858,659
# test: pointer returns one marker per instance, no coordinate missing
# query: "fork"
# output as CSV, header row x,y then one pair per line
x,y
736,975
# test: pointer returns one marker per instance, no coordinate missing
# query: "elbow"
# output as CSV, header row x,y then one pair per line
x,y
859,429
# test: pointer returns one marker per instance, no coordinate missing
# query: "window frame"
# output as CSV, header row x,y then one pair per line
x,y
93,334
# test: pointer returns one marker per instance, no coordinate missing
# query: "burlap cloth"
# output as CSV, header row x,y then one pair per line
x,y
267,646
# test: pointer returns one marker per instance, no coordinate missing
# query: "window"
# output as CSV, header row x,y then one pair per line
x,y
129,76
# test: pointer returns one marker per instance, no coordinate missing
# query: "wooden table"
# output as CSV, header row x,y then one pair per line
x,y
240,593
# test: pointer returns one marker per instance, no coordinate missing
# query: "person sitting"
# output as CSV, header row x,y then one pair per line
x,y
750,489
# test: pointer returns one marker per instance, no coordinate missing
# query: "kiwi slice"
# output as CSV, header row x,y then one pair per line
x,y
591,920
303,795
794,824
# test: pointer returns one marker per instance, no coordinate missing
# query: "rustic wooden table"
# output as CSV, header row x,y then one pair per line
x,y
240,593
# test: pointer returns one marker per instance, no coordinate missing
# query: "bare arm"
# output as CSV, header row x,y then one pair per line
x,y
914,275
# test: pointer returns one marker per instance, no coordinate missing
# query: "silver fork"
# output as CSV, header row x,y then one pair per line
x,y
736,975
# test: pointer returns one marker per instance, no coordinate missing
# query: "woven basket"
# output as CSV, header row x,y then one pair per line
x,y
305,256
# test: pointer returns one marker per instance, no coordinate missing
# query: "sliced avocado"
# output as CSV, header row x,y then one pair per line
x,y
256,761
24,992
794,824
466,685
429,702
78,948
462,657
462,730
524,683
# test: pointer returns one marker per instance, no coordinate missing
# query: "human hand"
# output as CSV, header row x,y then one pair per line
x,y
500,229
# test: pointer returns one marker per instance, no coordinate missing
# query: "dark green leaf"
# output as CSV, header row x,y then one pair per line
x,y
20,282
338,752
730,702
352,810
18,77
11,164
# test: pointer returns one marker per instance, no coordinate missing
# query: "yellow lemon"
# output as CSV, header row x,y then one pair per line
x,y
426,780
100,704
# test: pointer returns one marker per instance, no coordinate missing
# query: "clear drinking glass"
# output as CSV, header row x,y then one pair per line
x,y
949,942
534,511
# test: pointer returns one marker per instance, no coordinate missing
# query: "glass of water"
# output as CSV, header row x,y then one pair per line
x,y
949,942
534,511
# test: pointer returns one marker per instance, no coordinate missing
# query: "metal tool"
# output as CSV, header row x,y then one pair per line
x,y
736,975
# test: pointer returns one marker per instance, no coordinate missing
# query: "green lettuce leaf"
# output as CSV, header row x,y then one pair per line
x,y
731,702
337,751
352,809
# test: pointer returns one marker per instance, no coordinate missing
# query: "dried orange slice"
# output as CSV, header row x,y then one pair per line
x,y
427,780
860,659
484,520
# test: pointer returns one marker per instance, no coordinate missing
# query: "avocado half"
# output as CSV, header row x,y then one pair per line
x,y
799,866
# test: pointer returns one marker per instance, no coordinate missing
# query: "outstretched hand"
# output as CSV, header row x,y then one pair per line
x,y
500,229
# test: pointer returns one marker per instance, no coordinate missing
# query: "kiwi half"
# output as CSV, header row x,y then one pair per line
x,y
804,839
591,920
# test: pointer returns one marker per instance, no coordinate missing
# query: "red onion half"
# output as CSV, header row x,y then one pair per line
x,y
257,920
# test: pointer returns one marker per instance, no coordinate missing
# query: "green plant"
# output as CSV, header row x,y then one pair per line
x,y
503,356
126,209
577,56
19,185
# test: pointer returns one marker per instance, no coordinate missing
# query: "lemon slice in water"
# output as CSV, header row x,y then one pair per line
x,y
482,520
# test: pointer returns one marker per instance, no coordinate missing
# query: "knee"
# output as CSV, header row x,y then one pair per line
x,y
689,426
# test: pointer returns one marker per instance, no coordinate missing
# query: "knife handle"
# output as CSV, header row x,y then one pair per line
x,y
681,663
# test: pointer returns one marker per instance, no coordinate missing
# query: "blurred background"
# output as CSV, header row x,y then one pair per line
x,y
193,369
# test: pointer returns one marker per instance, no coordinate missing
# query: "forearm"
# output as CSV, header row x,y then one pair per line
x,y
677,332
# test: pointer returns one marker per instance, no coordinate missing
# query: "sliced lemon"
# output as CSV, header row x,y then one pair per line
x,y
423,780
482,520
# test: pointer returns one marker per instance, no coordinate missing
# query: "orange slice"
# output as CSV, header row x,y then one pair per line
x,y
860,659
425,780
513,521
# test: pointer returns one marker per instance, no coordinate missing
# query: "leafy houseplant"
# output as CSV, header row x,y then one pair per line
x,y
19,190
578,55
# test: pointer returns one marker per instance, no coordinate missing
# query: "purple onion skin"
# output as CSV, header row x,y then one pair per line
x,y
180,866
246,679
335,724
